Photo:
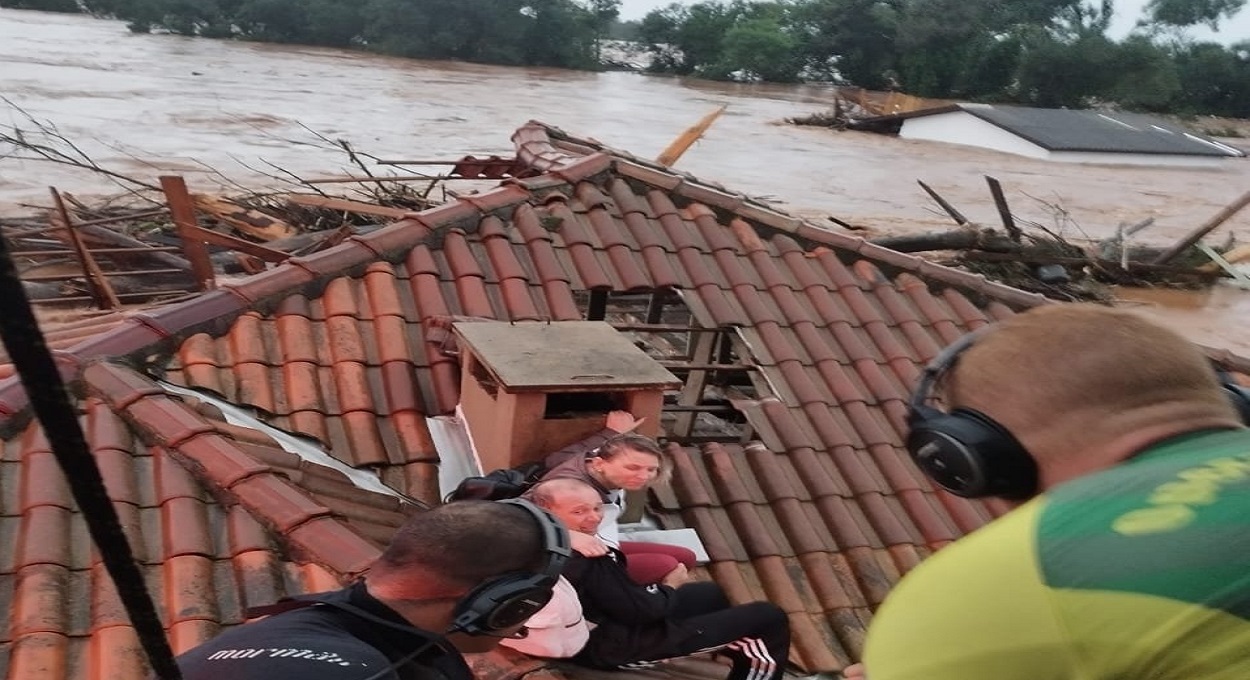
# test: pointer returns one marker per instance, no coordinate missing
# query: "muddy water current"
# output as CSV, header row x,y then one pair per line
x,y
217,111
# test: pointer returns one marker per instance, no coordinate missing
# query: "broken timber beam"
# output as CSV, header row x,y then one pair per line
x,y
96,280
950,209
1004,212
1207,227
960,239
243,219
227,241
344,205
182,208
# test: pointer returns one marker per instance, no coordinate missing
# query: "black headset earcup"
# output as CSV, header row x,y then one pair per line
x,y
1240,398
970,455
501,603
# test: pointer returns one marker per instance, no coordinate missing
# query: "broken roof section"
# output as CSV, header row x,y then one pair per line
x,y
346,348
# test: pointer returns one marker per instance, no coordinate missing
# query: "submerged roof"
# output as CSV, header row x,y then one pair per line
x,y
346,349
1084,130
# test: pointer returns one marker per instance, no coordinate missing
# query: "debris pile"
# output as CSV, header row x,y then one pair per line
x,y
1037,258
158,242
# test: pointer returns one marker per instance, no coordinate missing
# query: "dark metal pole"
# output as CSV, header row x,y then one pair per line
x,y
50,400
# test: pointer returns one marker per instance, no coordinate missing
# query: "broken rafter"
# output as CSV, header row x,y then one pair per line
x,y
347,179
243,219
98,283
182,207
344,205
462,161
233,243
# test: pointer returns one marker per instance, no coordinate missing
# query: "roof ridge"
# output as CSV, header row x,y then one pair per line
x,y
308,528
776,220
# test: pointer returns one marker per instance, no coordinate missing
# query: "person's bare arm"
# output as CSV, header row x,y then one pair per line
x,y
622,421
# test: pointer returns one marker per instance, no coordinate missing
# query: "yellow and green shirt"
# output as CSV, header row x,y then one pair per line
x,y
1139,572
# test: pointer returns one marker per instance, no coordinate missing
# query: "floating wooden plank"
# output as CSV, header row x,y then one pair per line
x,y
344,205
687,139
251,222
1236,255
1207,227
1239,277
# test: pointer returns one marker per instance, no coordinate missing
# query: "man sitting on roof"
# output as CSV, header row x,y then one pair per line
x,y
454,579
636,626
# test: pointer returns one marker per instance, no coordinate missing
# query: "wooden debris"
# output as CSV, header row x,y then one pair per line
x,y
182,207
687,139
344,205
1207,227
247,221
99,284
950,209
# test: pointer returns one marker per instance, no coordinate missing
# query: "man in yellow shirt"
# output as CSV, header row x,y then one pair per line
x,y
1130,555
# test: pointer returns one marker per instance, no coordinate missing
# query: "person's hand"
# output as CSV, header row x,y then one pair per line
x,y
587,545
677,577
622,421
855,672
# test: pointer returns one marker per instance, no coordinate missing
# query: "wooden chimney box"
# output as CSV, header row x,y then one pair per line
x,y
530,388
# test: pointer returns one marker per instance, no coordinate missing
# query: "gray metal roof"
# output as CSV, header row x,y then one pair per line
x,y
1097,131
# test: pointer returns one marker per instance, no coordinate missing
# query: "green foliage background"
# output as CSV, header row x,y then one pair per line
x,y
1052,53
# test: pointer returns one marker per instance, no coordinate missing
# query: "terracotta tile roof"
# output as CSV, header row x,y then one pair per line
x,y
346,347
203,513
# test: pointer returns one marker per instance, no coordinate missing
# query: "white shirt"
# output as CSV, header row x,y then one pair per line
x,y
558,630
609,526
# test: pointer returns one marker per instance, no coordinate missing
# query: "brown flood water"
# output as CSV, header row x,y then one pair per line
x,y
144,104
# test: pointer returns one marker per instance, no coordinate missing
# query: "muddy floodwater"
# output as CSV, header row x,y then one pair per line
x,y
147,104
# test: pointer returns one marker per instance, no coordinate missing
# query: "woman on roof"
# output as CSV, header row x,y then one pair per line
x,y
613,462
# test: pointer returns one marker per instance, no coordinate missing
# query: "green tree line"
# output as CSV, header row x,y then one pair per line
x,y
1048,53
563,33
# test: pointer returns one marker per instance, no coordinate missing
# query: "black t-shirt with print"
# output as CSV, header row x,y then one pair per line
x,y
346,635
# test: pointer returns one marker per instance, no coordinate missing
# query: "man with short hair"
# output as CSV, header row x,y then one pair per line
x,y
637,626
1130,556
455,578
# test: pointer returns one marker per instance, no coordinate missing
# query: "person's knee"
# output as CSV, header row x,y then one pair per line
x,y
769,615
648,568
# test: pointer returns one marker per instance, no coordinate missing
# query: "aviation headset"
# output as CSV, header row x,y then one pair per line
x,y
510,599
969,454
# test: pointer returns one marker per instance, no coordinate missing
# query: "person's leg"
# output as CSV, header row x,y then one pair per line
x,y
684,555
648,568
755,636
701,597
649,563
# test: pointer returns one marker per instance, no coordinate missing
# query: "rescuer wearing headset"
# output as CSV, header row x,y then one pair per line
x,y
1130,555
456,578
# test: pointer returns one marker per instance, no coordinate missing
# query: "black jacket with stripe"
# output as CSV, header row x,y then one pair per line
x,y
631,621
